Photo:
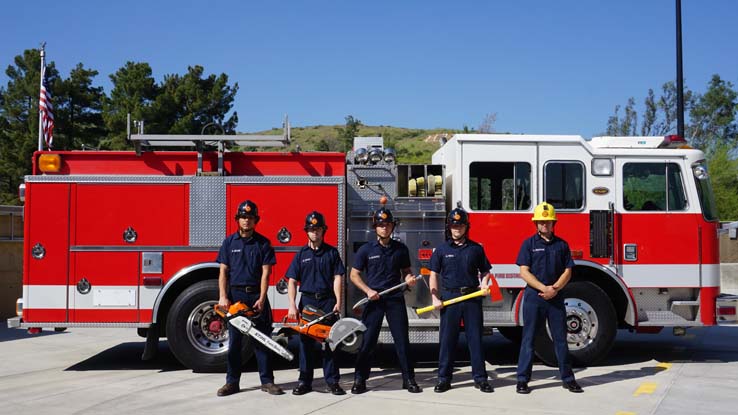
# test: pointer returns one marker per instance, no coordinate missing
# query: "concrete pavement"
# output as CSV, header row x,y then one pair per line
x,y
85,371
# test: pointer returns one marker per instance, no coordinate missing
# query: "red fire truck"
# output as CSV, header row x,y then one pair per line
x,y
129,239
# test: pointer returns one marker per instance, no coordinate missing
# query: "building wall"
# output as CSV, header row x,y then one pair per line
x,y
11,276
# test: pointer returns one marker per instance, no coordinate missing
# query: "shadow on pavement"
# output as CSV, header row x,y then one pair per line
x,y
127,356
702,346
8,334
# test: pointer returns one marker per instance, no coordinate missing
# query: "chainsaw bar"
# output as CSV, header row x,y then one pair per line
x,y
245,326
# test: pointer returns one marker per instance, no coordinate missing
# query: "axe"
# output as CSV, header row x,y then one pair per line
x,y
493,290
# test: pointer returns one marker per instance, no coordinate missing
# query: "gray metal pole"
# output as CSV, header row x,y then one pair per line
x,y
41,84
679,75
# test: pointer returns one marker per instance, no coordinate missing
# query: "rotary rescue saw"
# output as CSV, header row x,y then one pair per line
x,y
239,315
327,328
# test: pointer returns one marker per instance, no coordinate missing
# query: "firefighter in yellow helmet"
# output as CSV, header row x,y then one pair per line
x,y
545,265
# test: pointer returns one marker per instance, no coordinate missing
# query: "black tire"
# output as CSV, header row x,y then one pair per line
x,y
591,326
197,336
513,334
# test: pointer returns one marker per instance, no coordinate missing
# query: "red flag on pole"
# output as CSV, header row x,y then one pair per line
x,y
45,108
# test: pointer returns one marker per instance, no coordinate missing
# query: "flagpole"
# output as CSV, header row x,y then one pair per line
x,y
40,87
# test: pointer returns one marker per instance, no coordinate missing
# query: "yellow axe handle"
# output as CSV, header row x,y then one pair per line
x,y
480,293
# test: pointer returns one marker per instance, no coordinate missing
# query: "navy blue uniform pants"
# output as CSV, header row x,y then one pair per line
x,y
536,311
309,346
470,311
374,312
263,323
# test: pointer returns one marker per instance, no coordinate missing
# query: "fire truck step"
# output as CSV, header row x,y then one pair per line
x,y
666,319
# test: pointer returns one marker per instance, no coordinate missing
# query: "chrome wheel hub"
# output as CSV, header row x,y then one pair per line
x,y
581,323
207,331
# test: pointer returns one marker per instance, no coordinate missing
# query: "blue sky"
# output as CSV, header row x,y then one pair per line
x,y
550,67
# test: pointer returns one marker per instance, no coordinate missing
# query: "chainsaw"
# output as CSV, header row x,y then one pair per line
x,y
239,315
327,328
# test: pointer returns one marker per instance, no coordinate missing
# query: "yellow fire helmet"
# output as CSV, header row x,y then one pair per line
x,y
544,211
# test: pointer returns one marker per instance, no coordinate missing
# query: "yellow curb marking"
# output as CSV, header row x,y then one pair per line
x,y
664,365
646,388
624,413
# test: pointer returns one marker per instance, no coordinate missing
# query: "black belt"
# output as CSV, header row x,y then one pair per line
x,y
247,288
466,290
318,296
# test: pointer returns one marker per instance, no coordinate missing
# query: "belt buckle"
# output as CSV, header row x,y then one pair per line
x,y
321,296
466,290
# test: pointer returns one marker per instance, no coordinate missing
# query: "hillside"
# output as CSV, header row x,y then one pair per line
x,y
411,145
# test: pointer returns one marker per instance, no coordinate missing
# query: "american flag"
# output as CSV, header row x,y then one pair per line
x,y
45,107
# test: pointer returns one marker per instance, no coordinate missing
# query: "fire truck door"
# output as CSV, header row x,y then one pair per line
x,y
46,272
112,224
653,205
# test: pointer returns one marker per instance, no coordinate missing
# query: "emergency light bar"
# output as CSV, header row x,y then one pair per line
x,y
674,141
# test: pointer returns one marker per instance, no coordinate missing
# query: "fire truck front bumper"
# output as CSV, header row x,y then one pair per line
x,y
726,310
14,322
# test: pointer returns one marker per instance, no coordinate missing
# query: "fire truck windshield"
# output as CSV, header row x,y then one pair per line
x,y
704,189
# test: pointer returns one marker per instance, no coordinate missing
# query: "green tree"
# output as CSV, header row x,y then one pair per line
x,y
659,114
711,127
347,133
19,119
724,177
134,91
79,113
322,145
187,103
713,117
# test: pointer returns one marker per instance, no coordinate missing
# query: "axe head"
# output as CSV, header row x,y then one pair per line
x,y
495,294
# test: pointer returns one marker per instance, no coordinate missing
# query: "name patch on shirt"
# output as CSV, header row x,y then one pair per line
x,y
306,260
235,250
375,257
450,256
539,249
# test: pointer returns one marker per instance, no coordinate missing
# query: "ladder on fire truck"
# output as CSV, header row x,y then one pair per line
x,y
202,142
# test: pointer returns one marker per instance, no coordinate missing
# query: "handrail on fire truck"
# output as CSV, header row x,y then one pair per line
x,y
201,142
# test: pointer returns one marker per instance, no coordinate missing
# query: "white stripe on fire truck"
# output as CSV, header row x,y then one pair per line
x,y
655,275
55,297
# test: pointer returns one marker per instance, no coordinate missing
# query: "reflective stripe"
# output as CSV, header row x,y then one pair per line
x,y
652,275
55,297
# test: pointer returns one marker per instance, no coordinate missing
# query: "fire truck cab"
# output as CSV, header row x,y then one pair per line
x,y
129,239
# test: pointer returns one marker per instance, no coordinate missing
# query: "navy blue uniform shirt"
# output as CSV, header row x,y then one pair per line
x,y
382,265
245,257
315,269
459,265
547,259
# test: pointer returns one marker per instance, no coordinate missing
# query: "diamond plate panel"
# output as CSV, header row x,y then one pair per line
x,y
415,334
207,211
667,318
379,180
498,317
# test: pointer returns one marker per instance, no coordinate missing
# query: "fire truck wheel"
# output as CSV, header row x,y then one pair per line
x,y
514,334
197,336
591,324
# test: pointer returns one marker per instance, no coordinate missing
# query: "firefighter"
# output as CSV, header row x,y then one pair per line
x,y
459,264
545,265
246,260
319,270
385,262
